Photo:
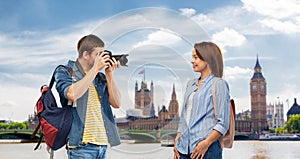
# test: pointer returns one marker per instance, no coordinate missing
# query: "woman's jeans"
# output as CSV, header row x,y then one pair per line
x,y
88,151
213,152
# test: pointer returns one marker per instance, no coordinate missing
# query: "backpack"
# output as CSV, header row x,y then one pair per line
x,y
54,122
227,140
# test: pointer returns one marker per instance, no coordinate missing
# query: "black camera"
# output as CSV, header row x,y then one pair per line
x,y
122,58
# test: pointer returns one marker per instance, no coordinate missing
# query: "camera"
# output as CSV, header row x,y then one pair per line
x,y
122,58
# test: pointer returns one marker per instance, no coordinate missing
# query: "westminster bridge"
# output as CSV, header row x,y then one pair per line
x,y
139,136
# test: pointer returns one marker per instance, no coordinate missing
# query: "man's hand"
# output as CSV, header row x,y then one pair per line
x,y
113,65
101,61
113,91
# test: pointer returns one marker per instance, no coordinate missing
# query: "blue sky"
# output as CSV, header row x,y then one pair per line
x,y
35,36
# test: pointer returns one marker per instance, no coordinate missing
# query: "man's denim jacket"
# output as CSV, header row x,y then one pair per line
x,y
64,80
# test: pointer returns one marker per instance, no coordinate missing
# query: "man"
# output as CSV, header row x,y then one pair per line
x,y
90,93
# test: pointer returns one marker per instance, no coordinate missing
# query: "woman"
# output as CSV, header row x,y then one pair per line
x,y
199,130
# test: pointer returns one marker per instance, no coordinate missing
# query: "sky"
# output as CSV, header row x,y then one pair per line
x,y
36,36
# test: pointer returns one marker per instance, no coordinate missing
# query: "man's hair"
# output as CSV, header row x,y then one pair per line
x,y
88,43
212,55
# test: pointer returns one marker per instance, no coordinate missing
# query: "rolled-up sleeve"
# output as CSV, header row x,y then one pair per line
x,y
223,109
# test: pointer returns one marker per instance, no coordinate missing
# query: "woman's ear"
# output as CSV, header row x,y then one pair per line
x,y
207,65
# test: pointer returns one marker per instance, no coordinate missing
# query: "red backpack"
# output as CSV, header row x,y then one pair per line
x,y
227,140
54,122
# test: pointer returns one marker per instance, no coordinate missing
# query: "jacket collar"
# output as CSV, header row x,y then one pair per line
x,y
205,80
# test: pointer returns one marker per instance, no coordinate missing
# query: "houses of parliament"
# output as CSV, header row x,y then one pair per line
x,y
143,116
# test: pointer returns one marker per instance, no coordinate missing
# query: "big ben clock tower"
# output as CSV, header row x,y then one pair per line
x,y
258,92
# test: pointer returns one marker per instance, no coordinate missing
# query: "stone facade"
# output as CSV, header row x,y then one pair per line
x,y
166,119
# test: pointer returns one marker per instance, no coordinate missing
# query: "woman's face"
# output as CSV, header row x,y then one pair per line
x,y
198,64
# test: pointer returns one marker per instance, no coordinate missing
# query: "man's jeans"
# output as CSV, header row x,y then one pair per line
x,y
88,151
213,152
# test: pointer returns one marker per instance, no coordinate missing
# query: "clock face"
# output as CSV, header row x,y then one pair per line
x,y
254,87
262,87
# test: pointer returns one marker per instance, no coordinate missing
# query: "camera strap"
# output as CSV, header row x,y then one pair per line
x,y
78,65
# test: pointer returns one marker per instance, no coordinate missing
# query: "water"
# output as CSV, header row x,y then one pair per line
x,y
240,150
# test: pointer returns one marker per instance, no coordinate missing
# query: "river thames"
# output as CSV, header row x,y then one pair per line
x,y
241,150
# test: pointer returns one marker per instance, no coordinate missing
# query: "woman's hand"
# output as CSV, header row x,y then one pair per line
x,y
176,153
200,150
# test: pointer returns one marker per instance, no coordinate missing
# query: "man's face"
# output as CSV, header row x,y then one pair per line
x,y
93,55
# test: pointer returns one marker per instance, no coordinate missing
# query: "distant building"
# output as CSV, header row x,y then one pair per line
x,y
33,121
6,121
258,93
173,105
163,114
144,99
270,115
294,110
243,121
143,118
275,114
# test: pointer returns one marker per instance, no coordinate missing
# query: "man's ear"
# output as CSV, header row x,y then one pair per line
x,y
85,55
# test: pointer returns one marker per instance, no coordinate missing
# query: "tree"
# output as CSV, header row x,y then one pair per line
x,y
14,125
293,124
3,125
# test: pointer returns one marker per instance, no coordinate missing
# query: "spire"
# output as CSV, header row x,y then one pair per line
x,y
257,65
152,111
173,93
151,85
173,87
257,70
136,86
295,101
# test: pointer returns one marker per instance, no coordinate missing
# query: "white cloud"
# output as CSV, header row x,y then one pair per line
x,y
150,19
254,17
187,11
228,37
237,73
47,47
281,26
24,79
273,8
161,37
203,20
279,15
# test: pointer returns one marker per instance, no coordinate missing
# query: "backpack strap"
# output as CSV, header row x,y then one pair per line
x,y
53,75
39,142
214,97
35,131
